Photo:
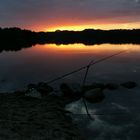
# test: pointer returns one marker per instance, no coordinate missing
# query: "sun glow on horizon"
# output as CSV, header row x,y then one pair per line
x,y
81,48
94,26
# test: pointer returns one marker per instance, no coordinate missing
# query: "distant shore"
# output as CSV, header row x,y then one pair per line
x,y
14,39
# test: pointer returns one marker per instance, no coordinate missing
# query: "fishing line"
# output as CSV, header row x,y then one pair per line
x,y
84,67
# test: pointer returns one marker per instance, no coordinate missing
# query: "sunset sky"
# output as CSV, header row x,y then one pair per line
x,y
50,15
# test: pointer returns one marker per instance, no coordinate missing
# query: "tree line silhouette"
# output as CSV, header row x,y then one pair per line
x,y
15,38
91,36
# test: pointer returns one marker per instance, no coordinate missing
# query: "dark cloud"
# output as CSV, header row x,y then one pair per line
x,y
29,12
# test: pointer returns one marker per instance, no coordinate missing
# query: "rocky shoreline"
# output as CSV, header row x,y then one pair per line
x,y
38,113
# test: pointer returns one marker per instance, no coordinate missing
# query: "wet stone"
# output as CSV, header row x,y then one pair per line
x,y
129,84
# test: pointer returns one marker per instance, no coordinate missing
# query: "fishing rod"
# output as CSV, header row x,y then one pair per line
x,y
84,67
83,84
85,77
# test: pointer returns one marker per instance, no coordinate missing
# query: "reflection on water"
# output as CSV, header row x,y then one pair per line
x,y
117,117
45,62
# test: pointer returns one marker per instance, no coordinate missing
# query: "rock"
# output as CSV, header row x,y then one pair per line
x,y
93,86
66,90
41,87
129,84
111,86
94,95
75,87
70,93
31,86
44,88
33,93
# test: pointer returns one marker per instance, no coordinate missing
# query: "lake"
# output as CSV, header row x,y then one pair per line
x,y
45,62
117,117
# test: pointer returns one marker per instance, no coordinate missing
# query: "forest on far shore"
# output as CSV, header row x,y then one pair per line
x,y
15,38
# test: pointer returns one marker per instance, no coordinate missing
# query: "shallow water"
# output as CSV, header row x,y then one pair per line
x,y
117,117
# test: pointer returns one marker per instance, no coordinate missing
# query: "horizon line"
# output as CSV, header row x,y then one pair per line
x,y
61,30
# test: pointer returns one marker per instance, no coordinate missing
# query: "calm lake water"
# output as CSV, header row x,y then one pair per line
x,y
45,62
117,117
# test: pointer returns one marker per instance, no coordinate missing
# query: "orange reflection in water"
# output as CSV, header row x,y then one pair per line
x,y
81,48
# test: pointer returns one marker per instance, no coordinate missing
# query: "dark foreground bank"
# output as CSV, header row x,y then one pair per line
x,y
27,118
38,113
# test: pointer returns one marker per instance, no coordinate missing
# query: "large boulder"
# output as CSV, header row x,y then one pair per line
x,y
93,86
94,96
